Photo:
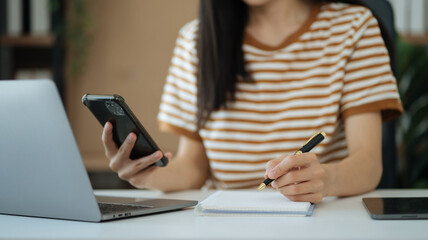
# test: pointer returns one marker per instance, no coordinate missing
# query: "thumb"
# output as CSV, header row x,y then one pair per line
x,y
168,155
272,163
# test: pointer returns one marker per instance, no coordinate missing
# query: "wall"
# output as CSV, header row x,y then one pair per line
x,y
130,51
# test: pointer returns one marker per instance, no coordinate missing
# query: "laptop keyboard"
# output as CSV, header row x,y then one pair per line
x,y
108,208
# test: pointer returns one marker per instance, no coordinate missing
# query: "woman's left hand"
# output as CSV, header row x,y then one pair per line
x,y
298,177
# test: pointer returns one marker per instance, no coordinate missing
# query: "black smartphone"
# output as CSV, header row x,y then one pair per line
x,y
113,109
397,208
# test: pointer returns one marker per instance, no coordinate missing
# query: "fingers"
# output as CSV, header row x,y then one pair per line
x,y
138,180
293,177
122,155
302,188
139,177
134,167
107,139
126,147
168,155
310,197
272,163
290,162
311,191
299,178
133,171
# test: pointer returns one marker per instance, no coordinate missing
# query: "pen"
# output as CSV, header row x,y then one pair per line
x,y
311,143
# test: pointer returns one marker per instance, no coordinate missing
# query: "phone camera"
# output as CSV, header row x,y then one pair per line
x,y
114,108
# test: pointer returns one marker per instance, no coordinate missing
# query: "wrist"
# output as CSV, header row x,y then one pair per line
x,y
329,178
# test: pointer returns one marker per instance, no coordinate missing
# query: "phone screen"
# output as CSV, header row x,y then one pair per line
x,y
397,208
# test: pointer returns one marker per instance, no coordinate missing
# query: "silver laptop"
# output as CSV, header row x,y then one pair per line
x,y
41,170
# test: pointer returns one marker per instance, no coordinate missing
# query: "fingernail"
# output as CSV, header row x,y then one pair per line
x,y
158,155
273,184
131,137
106,126
267,170
272,173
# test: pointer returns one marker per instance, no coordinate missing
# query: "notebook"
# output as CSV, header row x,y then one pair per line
x,y
252,203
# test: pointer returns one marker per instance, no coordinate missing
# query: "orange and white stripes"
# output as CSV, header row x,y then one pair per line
x,y
335,66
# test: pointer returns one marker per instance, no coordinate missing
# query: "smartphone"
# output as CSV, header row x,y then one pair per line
x,y
113,109
397,207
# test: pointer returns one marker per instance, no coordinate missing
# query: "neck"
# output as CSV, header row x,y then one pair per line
x,y
278,14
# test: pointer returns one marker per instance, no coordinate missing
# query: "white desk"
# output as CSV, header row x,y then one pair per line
x,y
344,218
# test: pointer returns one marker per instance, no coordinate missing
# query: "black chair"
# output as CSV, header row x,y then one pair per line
x,y
383,12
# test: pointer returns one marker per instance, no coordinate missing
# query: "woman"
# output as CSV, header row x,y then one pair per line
x,y
252,80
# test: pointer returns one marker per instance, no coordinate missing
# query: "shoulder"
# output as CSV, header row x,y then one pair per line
x,y
354,15
189,30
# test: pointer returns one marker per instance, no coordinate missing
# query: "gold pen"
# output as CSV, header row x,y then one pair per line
x,y
311,143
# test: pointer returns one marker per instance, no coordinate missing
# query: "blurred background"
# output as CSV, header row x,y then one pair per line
x,y
125,47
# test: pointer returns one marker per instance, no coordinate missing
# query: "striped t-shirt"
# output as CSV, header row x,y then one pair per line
x,y
334,66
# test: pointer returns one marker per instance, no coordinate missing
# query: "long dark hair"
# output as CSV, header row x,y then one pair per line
x,y
220,56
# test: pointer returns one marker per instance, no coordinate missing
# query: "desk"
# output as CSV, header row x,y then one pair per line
x,y
334,218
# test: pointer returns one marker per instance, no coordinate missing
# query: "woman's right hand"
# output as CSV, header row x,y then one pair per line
x,y
137,172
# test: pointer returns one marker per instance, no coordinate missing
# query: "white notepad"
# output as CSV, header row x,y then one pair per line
x,y
252,203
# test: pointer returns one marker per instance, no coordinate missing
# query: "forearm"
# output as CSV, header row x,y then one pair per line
x,y
361,171
187,170
177,176
355,174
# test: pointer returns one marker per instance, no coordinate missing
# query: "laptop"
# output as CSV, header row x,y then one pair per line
x,y
41,170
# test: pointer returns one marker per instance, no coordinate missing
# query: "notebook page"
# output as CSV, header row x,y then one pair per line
x,y
251,202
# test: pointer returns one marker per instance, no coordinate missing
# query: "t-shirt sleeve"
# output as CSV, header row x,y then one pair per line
x,y
178,108
369,84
